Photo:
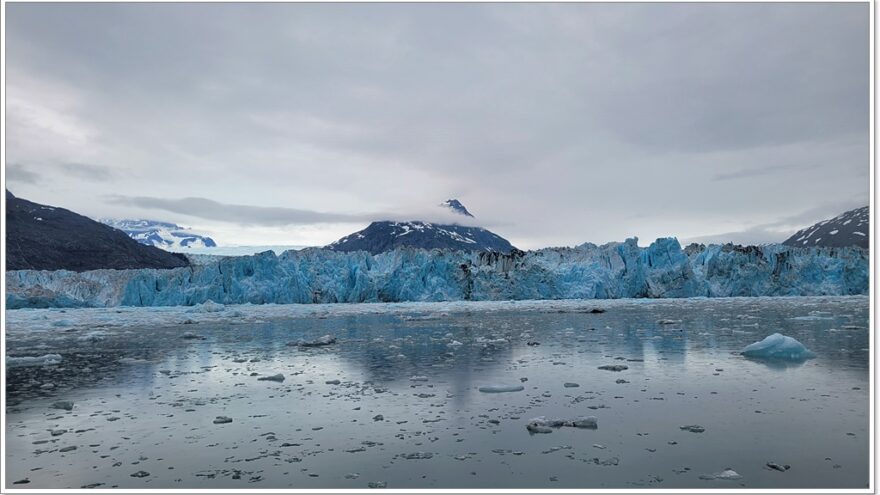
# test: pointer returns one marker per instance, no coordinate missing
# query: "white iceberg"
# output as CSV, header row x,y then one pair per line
x,y
778,346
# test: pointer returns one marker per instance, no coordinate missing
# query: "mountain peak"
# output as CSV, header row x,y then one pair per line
x,y
456,206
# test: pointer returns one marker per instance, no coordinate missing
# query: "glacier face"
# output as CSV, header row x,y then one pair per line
x,y
614,270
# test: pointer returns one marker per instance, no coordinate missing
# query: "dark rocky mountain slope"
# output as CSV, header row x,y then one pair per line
x,y
387,235
851,228
40,237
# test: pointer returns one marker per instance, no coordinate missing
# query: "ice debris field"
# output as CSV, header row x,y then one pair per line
x,y
634,393
611,271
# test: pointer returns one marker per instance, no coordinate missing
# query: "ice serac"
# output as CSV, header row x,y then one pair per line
x,y
615,270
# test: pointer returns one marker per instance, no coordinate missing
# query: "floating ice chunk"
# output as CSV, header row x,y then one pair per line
x,y
543,425
67,405
93,336
614,367
778,346
417,455
497,389
692,428
208,306
727,474
320,341
44,360
815,315
273,378
778,467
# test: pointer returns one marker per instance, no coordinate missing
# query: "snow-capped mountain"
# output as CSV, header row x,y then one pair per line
x,y
387,235
847,229
165,235
456,206
41,237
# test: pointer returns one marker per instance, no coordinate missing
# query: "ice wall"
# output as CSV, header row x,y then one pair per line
x,y
615,270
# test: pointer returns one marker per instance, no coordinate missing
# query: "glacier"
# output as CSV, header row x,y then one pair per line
x,y
611,271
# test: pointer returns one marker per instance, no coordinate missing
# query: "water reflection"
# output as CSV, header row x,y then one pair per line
x,y
450,347
421,373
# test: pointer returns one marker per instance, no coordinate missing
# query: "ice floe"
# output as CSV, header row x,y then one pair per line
x,y
44,360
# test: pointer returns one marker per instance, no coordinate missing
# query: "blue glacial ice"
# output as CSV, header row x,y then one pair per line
x,y
615,270
778,346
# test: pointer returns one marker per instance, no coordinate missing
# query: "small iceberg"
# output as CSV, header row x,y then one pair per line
x,y
778,346
319,342
727,474
543,425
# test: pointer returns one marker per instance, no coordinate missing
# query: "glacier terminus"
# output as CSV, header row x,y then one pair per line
x,y
616,270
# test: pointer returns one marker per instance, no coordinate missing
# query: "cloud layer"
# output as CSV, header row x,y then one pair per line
x,y
558,123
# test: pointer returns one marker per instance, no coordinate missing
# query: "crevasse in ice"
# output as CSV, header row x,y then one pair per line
x,y
588,271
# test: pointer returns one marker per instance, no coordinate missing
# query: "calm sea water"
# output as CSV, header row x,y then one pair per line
x,y
145,401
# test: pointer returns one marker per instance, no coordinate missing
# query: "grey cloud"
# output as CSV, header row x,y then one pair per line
x,y
242,214
756,172
562,121
781,229
86,171
277,216
20,174
25,174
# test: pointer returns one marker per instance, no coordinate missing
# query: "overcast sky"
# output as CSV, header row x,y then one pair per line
x,y
554,124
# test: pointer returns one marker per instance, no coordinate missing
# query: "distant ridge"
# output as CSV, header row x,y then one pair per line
x,y
851,228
